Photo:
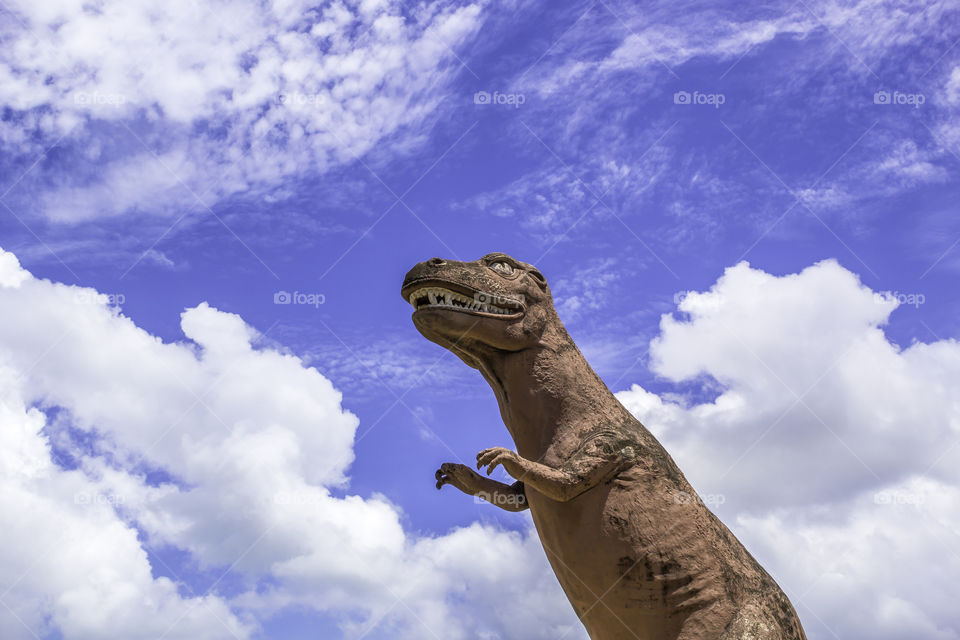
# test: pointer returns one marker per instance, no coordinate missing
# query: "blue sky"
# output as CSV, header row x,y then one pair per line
x,y
747,215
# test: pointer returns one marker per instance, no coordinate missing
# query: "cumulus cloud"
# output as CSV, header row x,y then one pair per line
x,y
71,565
833,449
172,107
248,472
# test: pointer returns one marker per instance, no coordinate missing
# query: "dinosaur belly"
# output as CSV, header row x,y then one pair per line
x,y
643,576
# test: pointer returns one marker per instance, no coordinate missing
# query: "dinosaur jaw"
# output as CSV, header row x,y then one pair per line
x,y
441,296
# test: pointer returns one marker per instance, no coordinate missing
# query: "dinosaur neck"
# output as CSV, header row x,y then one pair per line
x,y
548,391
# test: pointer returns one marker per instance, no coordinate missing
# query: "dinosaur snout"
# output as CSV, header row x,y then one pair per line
x,y
419,270
431,268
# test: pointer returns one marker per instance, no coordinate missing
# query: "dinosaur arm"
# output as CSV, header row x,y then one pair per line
x,y
509,497
558,484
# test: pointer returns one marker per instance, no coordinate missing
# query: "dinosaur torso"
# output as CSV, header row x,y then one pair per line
x,y
638,555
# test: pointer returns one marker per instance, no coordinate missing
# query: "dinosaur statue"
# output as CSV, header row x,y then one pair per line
x,y
637,553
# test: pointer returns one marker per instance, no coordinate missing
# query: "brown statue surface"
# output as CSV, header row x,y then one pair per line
x,y
636,556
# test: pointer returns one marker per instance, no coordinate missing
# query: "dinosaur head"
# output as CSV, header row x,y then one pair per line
x,y
480,309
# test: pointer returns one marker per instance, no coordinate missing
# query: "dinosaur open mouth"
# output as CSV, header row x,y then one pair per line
x,y
435,297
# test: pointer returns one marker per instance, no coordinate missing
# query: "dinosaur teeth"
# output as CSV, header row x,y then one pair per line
x,y
447,299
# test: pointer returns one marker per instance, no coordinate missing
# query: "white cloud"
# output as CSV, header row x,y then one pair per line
x,y
952,87
707,36
70,563
547,200
587,292
254,441
659,37
892,167
391,366
859,469
879,564
946,130
832,447
234,95
909,164
557,203
659,40
872,28
650,47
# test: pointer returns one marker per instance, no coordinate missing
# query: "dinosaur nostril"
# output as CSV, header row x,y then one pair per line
x,y
436,262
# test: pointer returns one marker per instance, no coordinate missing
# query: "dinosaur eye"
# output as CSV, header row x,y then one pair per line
x,y
503,267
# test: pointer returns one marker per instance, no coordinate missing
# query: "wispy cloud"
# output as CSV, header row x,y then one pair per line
x,y
213,101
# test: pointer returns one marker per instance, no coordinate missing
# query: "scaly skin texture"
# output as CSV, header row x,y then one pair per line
x,y
636,551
